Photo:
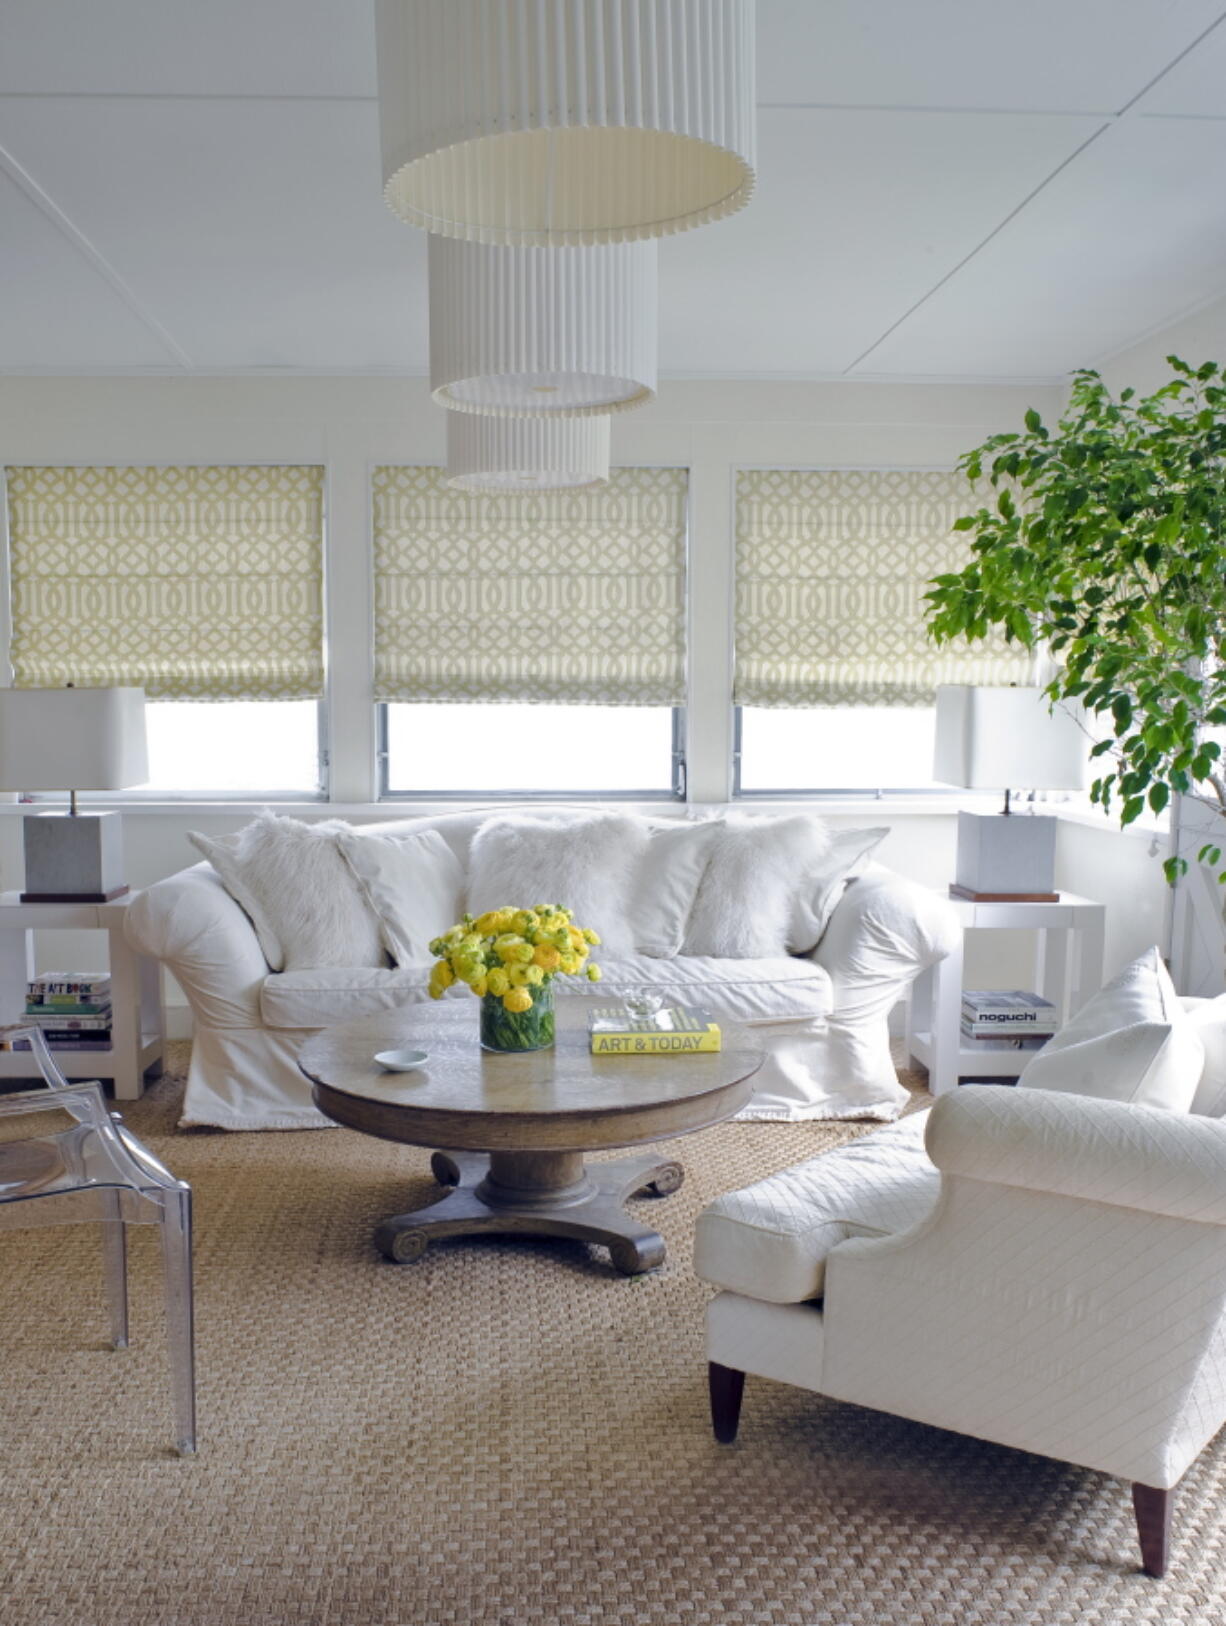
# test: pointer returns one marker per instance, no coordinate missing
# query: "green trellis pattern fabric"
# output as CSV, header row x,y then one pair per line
x,y
831,569
193,583
562,598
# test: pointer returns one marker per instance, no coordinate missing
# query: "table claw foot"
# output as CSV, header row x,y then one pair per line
x,y
459,1168
668,1179
401,1246
633,1255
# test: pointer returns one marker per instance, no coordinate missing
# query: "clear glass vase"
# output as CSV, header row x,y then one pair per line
x,y
510,1031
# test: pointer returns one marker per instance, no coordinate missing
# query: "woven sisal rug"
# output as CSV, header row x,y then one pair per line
x,y
505,1433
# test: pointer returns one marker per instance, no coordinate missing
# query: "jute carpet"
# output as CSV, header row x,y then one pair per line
x,y
505,1433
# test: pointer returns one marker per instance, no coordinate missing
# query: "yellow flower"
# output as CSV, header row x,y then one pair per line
x,y
518,976
546,956
519,999
497,981
442,973
488,924
569,964
533,975
480,986
593,973
591,937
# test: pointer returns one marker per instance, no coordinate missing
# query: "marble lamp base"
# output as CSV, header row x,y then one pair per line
x,y
73,857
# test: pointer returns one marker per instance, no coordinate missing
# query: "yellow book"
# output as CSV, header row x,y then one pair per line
x,y
675,1031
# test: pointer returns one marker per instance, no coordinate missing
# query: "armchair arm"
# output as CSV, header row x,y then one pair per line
x,y
192,923
1076,1146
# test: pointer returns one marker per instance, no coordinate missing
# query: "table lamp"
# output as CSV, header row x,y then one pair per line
x,y
994,739
74,740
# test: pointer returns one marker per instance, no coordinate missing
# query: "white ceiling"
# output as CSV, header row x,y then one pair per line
x,y
947,189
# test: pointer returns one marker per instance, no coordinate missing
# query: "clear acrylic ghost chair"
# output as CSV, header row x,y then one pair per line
x,y
97,1170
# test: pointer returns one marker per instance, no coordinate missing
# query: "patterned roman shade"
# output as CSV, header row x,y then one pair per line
x,y
193,583
832,566
560,597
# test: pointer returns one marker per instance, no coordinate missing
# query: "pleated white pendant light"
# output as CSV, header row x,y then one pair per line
x,y
542,331
526,454
555,122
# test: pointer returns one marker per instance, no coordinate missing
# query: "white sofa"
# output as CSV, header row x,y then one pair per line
x,y
822,1018
1040,1269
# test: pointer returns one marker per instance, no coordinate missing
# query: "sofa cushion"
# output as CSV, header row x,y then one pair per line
x,y
1208,1018
750,991
412,885
328,994
771,1240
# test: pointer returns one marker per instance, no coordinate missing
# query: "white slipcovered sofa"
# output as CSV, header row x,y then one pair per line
x,y
821,1016
1035,1266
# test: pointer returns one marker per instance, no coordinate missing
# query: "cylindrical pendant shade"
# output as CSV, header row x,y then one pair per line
x,y
542,331
526,454
555,122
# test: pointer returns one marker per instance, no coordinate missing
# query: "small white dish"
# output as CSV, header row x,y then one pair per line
x,y
402,1061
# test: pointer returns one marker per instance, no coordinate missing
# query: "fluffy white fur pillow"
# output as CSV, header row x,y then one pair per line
x,y
412,884
758,871
589,864
1133,1041
303,901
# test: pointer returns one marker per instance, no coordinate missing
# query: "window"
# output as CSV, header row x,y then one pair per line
x,y
195,584
588,750
833,748
244,745
530,642
835,674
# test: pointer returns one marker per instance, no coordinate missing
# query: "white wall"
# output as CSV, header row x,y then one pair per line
x,y
351,424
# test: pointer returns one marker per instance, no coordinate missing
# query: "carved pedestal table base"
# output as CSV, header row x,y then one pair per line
x,y
538,1194
520,1125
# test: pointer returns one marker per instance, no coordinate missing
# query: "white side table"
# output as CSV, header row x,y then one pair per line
x,y
1068,969
138,1022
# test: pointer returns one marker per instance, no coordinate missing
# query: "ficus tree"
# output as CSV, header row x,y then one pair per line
x,y
1103,542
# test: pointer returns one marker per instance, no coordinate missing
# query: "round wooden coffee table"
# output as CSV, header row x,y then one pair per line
x,y
515,1128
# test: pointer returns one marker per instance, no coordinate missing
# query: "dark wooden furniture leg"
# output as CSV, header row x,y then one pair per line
x,y
1154,1508
727,1386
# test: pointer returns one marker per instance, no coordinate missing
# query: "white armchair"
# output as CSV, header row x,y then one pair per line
x,y
1051,1276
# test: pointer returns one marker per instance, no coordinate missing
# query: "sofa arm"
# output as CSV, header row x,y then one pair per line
x,y
884,931
1076,1146
191,922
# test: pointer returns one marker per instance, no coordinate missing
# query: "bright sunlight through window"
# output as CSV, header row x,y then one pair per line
x,y
837,748
480,748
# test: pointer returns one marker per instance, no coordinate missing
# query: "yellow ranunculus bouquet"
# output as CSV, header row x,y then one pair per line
x,y
509,958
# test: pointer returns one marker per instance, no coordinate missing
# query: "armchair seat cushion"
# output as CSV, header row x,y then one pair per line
x,y
771,1240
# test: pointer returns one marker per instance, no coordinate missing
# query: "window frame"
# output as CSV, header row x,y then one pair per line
x,y
678,780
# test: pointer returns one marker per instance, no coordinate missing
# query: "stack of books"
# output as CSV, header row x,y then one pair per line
x,y
73,1008
1007,1018
675,1031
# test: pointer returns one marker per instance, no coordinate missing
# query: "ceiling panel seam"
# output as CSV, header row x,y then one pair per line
x,y
971,253
48,207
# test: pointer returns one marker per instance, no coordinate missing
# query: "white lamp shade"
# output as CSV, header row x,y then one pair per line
x,y
565,121
526,454
541,331
72,739
997,739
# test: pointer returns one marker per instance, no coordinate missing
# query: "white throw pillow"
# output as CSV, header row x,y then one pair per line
x,y
1133,1041
668,882
849,852
1208,1018
299,892
589,864
758,870
411,883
